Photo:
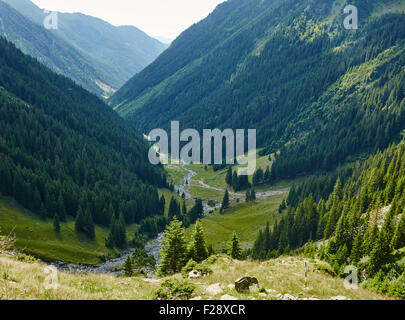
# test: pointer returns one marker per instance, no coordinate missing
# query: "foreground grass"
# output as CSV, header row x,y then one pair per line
x,y
19,280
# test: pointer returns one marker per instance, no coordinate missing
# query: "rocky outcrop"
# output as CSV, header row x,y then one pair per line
x,y
243,284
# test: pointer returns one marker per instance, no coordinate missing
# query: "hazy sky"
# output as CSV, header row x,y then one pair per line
x,y
167,18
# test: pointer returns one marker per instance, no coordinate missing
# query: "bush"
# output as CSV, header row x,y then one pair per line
x,y
174,289
325,269
396,288
26,258
202,267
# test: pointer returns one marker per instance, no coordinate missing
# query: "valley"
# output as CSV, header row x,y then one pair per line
x,y
86,197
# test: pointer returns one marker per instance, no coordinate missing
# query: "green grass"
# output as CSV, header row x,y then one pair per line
x,y
244,218
176,174
38,237
169,194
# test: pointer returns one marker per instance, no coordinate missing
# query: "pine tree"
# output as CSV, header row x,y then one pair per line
x,y
398,241
121,232
56,223
267,175
225,201
198,248
247,196
110,241
173,252
128,266
61,208
235,181
80,222
42,212
235,250
253,195
228,178
89,224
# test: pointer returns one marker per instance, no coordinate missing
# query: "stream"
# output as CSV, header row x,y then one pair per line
x,y
152,247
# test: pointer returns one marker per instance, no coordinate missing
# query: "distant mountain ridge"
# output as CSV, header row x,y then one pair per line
x,y
276,66
112,54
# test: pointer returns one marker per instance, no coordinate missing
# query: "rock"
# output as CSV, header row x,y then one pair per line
x,y
254,288
231,286
262,294
289,297
228,297
243,284
214,289
340,298
196,298
271,291
194,274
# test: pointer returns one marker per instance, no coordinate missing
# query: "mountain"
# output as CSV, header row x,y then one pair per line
x,y
313,89
62,150
112,54
359,213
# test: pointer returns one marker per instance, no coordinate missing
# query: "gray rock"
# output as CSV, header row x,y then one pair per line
x,y
340,298
289,297
243,284
214,289
228,297
194,274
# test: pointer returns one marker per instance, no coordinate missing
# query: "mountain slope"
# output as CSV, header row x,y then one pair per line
x,y
270,65
115,53
62,150
53,52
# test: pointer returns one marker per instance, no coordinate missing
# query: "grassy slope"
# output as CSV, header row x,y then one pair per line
x,y
20,280
244,218
39,238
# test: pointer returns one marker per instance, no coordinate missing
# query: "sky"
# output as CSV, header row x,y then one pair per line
x,y
158,18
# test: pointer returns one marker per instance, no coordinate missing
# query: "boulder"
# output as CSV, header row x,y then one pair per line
x,y
340,298
228,297
243,284
214,289
289,297
194,274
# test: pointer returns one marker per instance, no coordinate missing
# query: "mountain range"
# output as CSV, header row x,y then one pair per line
x,y
313,89
97,55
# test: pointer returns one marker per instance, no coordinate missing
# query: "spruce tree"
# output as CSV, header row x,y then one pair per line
x,y
89,224
247,196
253,195
110,241
80,222
199,250
398,241
225,201
173,252
235,250
128,266
56,223
228,178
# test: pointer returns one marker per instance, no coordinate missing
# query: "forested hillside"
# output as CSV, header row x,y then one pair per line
x,y
362,220
63,151
290,69
95,54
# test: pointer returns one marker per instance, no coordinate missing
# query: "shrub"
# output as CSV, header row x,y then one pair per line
x,y
26,258
325,269
174,289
